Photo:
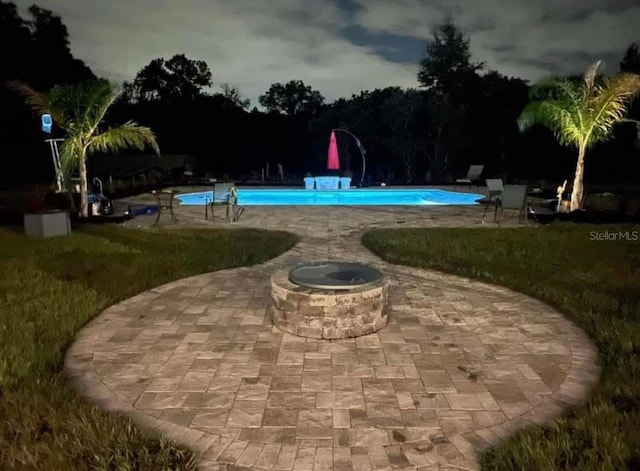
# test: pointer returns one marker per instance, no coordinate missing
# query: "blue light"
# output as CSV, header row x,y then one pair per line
x,y
47,123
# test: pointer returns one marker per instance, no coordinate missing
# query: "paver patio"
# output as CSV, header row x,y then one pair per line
x,y
460,365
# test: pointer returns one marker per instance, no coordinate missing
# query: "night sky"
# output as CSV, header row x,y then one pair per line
x,y
341,47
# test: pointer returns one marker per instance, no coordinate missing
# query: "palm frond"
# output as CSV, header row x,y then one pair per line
x,y
70,152
110,96
38,102
609,106
84,104
590,80
563,122
530,116
100,95
557,108
127,135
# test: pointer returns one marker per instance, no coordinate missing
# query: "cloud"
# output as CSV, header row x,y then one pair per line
x,y
341,47
519,37
245,43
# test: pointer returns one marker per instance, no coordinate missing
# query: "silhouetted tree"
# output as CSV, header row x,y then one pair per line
x,y
449,75
496,102
291,98
37,49
34,50
401,113
172,80
631,63
53,61
15,43
233,95
365,115
631,60
447,60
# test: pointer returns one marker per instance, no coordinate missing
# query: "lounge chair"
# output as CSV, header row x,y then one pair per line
x,y
495,188
207,180
543,210
514,197
473,175
221,194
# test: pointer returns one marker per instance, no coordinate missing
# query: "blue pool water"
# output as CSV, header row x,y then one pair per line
x,y
356,197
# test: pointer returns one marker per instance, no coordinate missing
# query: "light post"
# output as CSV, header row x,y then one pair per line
x,y
47,124
360,148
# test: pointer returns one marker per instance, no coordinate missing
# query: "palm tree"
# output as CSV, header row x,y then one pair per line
x,y
581,113
79,110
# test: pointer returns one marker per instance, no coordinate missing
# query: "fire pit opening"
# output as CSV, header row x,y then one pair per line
x,y
334,275
329,300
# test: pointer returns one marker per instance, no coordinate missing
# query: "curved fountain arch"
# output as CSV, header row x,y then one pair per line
x,y
360,148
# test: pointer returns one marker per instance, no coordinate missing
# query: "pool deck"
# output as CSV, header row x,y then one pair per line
x,y
460,366
308,220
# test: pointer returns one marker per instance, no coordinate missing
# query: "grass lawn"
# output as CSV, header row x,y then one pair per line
x,y
48,290
596,284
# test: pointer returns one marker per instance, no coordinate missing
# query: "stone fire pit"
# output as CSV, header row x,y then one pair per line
x,y
329,300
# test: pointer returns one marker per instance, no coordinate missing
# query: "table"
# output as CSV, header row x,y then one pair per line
x,y
170,194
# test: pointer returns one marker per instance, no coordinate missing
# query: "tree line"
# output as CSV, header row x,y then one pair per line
x,y
461,114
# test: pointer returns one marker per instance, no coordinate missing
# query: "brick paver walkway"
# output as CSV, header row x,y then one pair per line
x,y
460,366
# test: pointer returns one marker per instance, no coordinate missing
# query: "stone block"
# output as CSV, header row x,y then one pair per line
x,y
278,292
309,311
370,307
323,300
380,322
289,306
348,298
345,322
311,332
300,297
373,293
363,329
336,332
367,318
312,322
335,311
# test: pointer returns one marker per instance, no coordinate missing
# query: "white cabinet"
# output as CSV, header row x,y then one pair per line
x,y
47,224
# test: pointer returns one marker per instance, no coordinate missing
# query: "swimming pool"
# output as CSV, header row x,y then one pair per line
x,y
356,197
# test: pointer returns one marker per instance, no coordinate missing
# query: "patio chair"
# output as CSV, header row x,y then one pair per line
x,y
495,188
473,175
220,195
514,197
